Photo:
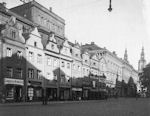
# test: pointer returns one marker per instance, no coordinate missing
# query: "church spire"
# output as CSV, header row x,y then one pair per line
x,y
142,54
126,55
142,61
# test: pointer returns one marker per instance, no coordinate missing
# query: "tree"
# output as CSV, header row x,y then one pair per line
x,y
145,78
131,87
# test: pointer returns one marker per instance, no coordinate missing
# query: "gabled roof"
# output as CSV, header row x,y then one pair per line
x,y
20,18
91,46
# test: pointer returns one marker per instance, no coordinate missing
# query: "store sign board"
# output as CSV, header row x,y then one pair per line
x,y
76,89
13,81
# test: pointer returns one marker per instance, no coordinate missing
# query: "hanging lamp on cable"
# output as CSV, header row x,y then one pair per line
x,y
110,8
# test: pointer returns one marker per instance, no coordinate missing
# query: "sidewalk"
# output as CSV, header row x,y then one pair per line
x,y
49,102
61,102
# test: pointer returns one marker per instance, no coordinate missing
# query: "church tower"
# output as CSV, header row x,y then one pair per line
x,y
142,61
126,55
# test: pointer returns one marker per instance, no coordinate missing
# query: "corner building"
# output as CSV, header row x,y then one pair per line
x,y
12,56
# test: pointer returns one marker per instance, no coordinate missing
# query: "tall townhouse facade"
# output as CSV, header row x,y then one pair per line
x,y
34,66
13,56
66,69
76,82
85,73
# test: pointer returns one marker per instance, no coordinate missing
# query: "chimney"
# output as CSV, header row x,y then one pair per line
x,y
50,9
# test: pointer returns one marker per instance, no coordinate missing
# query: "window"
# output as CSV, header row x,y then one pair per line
x,y
30,73
38,74
79,68
31,56
76,55
48,76
9,52
19,73
9,72
85,61
30,92
39,58
13,34
52,46
62,64
55,62
55,77
49,61
74,66
35,44
39,19
83,70
94,63
68,65
19,54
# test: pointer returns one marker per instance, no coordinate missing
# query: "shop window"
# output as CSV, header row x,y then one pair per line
x,y
19,73
9,52
10,94
9,72
19,54
30,93
30,73
38,93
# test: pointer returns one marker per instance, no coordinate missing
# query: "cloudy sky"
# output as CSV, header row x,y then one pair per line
x,y
89,20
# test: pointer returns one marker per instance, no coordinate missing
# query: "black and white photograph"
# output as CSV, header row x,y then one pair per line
x,y
74,58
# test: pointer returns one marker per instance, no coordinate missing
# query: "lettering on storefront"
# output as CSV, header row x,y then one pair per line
x,y
13,81
76,89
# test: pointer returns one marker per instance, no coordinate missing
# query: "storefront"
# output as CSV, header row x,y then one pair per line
x,y
13,90
64,93
86,91
34,91
94,94
76,93
51,93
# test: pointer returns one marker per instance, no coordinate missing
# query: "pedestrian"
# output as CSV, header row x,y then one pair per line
x,y
44,100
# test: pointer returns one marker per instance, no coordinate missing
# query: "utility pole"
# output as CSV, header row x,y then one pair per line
x,y
110,8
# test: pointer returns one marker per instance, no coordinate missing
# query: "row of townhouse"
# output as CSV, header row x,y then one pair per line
x,y
37,60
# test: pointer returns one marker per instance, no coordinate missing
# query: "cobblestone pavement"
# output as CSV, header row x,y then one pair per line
x,y
111,107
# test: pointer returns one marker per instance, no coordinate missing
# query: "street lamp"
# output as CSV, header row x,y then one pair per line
x,y
110,8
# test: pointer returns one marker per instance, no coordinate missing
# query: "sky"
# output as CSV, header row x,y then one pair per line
x,y
126,27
